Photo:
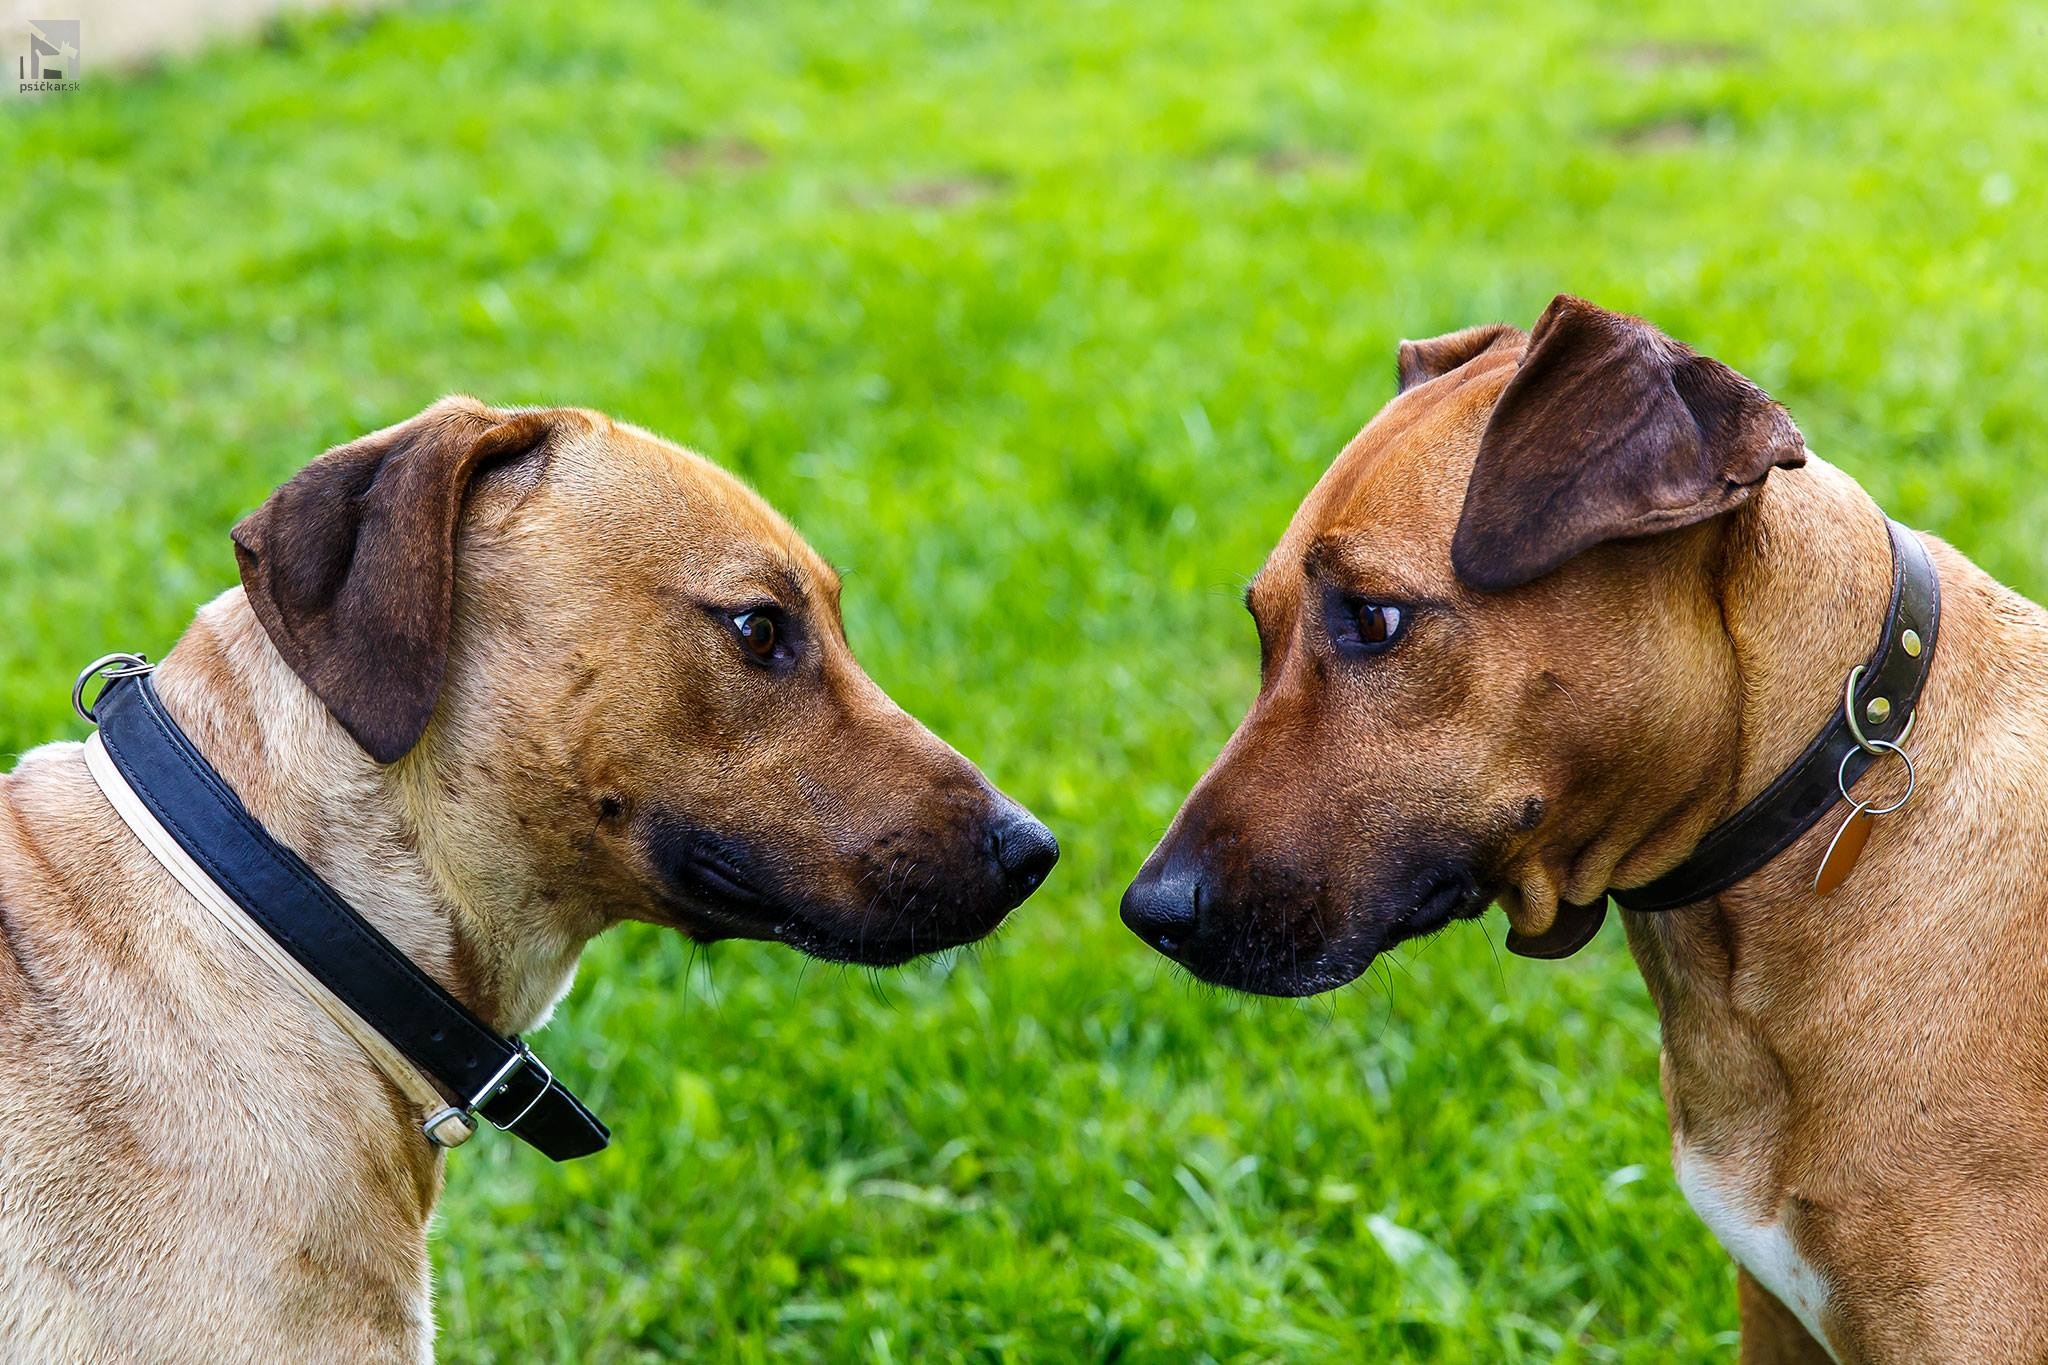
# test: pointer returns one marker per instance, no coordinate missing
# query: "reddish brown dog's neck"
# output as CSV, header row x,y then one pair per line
x,y
1763,613
1805,584
1804,593
1801,577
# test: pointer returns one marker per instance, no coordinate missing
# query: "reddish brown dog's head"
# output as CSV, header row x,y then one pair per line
x,y
1491,656
615,684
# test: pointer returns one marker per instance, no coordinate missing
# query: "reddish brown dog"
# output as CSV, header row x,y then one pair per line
x,y
1568,601
505,679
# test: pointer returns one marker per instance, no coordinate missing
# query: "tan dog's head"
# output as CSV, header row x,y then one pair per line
x,y
619,680
1488,648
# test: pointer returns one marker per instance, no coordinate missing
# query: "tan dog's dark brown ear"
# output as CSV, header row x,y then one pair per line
x,y
1419,361
1610,430
350,566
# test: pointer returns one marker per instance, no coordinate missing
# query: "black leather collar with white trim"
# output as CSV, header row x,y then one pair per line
x,y
1885,694
479,1070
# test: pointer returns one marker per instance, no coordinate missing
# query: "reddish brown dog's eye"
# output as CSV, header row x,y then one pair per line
x,y
757,632
1377,623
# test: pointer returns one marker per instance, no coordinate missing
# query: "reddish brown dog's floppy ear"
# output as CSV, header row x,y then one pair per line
x,y
350,566
1419,361
1610,430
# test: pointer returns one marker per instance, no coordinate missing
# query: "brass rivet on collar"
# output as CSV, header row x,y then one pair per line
x,y
1910,641
1879,711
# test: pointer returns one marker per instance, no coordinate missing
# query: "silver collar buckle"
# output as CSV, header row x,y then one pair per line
x,y
453,1126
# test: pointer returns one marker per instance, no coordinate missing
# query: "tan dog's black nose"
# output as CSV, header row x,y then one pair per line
x,y
1164,908
1024,850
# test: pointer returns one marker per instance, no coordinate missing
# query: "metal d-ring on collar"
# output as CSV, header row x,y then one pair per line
x,y
1879,708
113,667
1877,747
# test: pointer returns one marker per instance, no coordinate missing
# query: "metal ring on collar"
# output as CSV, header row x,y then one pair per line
x,y
129,666
1879,747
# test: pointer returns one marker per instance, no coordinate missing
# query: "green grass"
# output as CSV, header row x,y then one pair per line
x,y
1039,321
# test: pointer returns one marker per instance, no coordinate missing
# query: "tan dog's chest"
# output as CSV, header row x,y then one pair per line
x,y
140,1127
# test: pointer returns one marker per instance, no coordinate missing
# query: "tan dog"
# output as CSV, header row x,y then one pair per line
x,y
504,680
1546,620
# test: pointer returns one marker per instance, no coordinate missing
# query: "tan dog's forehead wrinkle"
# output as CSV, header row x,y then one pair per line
x,y
642,501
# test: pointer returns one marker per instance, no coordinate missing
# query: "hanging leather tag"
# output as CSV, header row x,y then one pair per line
x,y
1842,854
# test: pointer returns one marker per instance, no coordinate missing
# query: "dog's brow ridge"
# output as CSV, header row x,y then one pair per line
x,y
1316,560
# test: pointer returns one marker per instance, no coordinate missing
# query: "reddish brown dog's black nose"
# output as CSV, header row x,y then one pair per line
x,y
1024,849
1163,910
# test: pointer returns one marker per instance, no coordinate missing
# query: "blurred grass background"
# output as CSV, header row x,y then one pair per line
x,y
1038,320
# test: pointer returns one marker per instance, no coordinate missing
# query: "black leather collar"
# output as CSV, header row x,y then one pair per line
x,y
1813,783
479,1070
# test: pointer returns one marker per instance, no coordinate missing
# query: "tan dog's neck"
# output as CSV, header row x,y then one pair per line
x,y
387,838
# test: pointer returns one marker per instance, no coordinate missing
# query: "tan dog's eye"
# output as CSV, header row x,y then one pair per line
x,y
1378,623
757,633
